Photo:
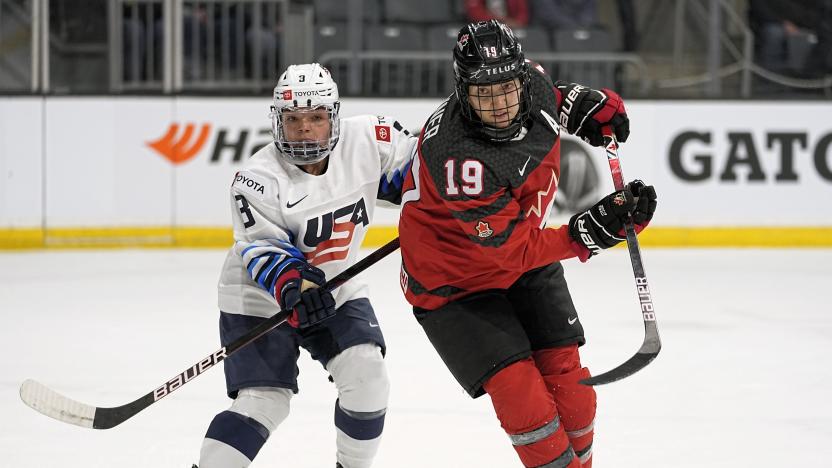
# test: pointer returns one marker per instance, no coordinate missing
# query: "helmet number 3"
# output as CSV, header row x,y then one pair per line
x,y
470,174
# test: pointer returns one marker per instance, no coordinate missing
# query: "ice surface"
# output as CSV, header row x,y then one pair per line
x,y
743,380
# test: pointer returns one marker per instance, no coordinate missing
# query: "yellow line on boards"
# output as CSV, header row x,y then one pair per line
x,y
774,237
221,237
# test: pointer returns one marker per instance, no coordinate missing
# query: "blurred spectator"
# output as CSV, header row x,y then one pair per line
x,y
564,14
139,37
627,16
234,38
194,40
267,36
234,28
514,13
773,22
135,40
770,34
583,14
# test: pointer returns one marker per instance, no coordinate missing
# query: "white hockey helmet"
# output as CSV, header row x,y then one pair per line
x,y
305,87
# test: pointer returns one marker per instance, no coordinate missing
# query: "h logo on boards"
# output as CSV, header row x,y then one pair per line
x,y
184,142
179,148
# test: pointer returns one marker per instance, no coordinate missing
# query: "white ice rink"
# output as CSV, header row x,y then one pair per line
x,y
744,379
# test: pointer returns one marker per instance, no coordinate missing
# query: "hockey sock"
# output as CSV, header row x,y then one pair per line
x,y
561,370
235,436
232,440
363,388
527,412
358,436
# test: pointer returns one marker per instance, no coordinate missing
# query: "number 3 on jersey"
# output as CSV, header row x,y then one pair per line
x,y
470,173
248,218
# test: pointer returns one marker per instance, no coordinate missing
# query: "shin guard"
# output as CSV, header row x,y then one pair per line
x,y
561,370
527,412
363,388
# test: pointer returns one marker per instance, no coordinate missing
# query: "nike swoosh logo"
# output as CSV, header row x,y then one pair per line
x,y
522,171
289,204
572,320
373,325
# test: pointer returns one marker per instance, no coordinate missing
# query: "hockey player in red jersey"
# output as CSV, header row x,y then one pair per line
x,y
478,265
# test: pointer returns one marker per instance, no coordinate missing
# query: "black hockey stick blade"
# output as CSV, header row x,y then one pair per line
x,y
651,345
51,403
645,355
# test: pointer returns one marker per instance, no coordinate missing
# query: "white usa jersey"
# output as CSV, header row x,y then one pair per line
x,y
282,215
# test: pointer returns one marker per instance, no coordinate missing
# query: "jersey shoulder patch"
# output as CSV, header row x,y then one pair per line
x,y
251,184
383,133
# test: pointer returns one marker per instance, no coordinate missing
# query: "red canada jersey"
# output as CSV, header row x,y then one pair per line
x,y
473,210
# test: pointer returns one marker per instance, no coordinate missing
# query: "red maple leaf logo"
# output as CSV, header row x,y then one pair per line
x,y
483,229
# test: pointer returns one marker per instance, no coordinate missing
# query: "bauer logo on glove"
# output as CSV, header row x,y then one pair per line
x,y
602,226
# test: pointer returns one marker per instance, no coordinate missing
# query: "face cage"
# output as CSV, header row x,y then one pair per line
x,y
491,132
304,153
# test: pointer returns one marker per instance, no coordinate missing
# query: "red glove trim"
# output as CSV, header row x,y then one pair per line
x,y
613,105
638,228
293,320
282,280
580,250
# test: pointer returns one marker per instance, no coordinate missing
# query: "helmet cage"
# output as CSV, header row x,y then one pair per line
x,y
305,152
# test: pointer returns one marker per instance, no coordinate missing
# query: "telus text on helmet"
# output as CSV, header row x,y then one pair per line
x,y
502,69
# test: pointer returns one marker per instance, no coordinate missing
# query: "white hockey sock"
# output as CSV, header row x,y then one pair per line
x,y
216,454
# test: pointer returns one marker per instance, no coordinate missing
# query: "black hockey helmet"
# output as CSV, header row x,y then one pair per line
x,y
487,53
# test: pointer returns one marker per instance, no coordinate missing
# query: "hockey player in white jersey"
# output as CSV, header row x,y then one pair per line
x,y
300,209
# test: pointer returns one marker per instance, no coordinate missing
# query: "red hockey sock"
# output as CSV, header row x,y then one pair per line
x,y
561,370
527,412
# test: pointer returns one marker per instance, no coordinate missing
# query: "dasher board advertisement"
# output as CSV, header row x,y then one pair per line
x,y
158,166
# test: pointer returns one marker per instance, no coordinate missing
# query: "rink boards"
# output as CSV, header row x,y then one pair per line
x,y
155,171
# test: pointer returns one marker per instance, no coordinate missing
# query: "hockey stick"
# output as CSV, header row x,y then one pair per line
x,y
652,344
45,400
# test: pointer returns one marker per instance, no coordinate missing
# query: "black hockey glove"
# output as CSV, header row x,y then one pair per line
x,y
585,111
602,226
300,292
